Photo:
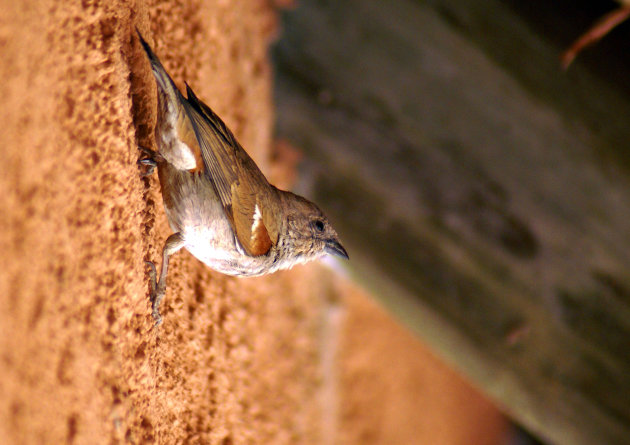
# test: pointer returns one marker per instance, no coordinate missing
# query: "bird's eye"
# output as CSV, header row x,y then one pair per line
x,y
319,225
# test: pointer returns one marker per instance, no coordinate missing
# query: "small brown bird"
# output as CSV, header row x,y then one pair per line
x,y
217,201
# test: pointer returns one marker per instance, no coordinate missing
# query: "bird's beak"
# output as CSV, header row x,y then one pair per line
x,y
333,247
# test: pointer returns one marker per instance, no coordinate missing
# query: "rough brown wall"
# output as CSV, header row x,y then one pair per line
x,y
236,361
81,360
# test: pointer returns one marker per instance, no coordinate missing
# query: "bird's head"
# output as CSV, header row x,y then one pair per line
x,y
307,232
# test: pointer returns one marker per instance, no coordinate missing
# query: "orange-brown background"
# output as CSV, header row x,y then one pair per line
x,y
297,357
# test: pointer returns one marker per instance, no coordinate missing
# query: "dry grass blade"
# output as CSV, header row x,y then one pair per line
x,y
602,27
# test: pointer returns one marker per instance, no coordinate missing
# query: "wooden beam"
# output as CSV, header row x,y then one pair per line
x,y
483,194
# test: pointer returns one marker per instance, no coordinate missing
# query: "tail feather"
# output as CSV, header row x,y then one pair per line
x,y
164,81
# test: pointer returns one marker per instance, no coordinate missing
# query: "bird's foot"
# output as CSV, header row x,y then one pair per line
x,y
150,161
156,293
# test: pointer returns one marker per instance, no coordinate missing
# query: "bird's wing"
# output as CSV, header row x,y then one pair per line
x,y
181,155
236,178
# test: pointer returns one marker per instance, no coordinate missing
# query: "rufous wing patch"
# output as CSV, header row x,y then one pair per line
x,y
260,242
248,222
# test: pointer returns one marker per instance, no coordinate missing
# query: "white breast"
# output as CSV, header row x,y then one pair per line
x,y
217,247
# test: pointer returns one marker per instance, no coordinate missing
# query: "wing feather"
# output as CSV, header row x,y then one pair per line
x,y
235,177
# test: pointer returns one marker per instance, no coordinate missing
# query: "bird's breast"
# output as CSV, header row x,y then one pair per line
x,y
218,248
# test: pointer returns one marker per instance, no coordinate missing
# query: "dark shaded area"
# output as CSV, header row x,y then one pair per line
x,y
528,38
482,191
562,21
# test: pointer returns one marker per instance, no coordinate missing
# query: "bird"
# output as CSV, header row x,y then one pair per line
x,y
218,203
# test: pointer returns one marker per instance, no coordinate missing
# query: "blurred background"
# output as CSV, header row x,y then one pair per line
x,y
482,189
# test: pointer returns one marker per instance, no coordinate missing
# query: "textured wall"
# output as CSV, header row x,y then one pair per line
x,y
235,361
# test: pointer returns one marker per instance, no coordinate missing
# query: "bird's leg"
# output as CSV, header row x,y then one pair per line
x,y
151,160
158,288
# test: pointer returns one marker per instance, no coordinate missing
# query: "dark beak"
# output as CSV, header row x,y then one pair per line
x,y
333,247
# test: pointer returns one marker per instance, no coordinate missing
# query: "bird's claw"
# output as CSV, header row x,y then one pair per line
x,y
156,293
150,169
150,161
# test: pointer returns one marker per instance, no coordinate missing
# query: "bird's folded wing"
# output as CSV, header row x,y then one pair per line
x,y
235,177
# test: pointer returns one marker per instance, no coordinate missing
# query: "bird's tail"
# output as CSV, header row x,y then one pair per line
x,y
164,81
